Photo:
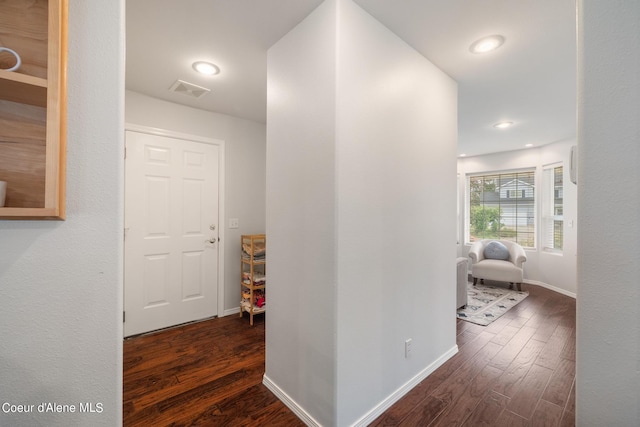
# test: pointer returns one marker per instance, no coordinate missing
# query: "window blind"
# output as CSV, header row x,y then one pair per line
x,y
502,206
552,208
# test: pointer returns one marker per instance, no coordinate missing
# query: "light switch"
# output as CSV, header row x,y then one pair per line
x,y
234,223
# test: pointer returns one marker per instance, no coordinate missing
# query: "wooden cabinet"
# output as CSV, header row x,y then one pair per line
x,y
253,271
33,108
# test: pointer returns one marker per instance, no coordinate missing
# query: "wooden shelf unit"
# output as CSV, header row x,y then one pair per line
x,y
33,108
253,270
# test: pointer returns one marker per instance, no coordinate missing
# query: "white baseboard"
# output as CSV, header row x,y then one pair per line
x,y
381,407
553,288
231,311
374,413
290,403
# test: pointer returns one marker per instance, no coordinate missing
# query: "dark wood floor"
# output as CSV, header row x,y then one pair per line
x,y
202,374
518,371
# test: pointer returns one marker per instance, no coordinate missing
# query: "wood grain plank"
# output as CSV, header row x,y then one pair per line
x,y
465,337
568,419
497,325
418,397
509,419
190,372
237,409
273,416
546,414
550,355
559,387
424,414
546,328
506,334
524,402
487,411
175,408
509,382
569,349
458,381
510,351
519,321
463,404
463,326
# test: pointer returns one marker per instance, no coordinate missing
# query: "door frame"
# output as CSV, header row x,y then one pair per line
x,y
221,195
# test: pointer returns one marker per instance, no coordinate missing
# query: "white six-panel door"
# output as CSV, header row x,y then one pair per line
x,y
171,231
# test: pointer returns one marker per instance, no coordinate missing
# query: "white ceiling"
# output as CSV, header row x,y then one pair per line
x,y
530,80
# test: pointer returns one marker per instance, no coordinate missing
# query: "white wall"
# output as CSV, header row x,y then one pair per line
x,y
552,270
608,307
245,142
361,142
301,323
396,159
61,282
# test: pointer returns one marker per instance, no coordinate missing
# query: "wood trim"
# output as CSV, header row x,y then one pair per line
x,y
35,111
23,88
29,213
56,108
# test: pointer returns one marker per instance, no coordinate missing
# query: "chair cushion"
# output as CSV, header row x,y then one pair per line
x,y
496,250
494,269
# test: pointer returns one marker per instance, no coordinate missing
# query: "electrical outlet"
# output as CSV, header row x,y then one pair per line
x,y
407,348
234,223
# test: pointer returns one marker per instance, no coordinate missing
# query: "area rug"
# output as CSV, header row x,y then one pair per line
x,y
487,303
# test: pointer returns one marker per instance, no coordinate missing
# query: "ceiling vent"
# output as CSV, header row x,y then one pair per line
x,y
189,89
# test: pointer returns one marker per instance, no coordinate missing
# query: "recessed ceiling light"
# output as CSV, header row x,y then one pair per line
x,y
486,44
502,125
528,145
206,68
463,155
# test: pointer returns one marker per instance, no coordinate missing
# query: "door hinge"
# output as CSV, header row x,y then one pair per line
x,y
124,316
125,152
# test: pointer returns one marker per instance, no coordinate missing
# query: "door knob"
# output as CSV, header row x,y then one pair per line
x,y
212,240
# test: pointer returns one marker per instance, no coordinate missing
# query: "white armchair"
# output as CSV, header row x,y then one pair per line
x,y
503,270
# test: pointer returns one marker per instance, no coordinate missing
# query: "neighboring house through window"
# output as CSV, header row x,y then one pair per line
x,y
502,206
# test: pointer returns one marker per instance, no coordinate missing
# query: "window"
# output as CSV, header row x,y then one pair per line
x,y
502,206
552,208
515,194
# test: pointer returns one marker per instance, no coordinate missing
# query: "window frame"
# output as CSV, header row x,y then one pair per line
x,y
534,210
548,215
